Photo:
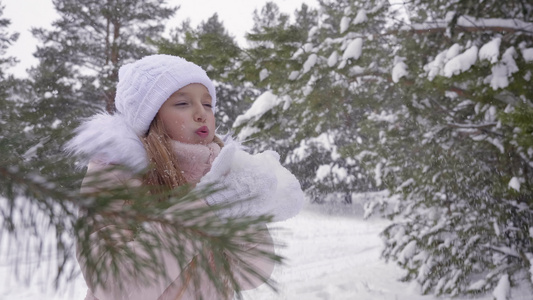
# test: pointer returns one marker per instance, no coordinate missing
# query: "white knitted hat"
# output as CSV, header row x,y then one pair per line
x,y
146,84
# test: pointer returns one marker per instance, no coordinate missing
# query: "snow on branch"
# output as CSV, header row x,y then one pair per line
x,y
261,105
505,250
492,124
469,23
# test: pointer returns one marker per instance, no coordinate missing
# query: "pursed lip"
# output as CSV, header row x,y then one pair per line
x,y
202,131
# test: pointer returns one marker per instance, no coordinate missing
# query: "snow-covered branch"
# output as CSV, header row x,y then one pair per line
x,y
471,24
505,250
492,124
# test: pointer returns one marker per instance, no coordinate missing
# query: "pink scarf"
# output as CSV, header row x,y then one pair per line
x,y
195,159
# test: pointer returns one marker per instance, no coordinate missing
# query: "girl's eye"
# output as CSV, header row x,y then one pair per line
x,y
208,105
181,104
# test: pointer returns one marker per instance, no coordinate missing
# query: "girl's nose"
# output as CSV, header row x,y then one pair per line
x,y
200,118
199,114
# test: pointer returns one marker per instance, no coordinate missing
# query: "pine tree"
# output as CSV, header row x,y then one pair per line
x,y
433,105
452,144
6,81
211,47
22,228
92,39
319,73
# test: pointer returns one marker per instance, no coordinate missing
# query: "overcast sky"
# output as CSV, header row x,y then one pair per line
x,y
236,15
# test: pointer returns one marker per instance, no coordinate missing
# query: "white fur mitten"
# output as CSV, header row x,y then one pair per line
x,y
254,185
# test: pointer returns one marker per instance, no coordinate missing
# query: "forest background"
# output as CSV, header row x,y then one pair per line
x,y
428,100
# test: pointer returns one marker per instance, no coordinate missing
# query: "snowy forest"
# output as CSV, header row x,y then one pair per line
x,y
430,101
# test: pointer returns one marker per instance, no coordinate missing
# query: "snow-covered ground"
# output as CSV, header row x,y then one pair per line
x,y
336,256
331,255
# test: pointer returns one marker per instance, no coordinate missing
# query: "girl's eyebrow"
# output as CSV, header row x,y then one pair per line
x,y
206,95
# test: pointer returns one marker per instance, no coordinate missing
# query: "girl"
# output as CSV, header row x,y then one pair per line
x,y
163,135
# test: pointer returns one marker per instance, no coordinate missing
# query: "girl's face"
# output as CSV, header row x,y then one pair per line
x,y
188,115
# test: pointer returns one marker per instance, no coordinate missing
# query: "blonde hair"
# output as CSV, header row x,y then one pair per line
x,y
163,171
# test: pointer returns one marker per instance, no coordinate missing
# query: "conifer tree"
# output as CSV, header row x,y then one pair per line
x,y
22,186
459,155
216,51
92,39
433,105
6,81
320,77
